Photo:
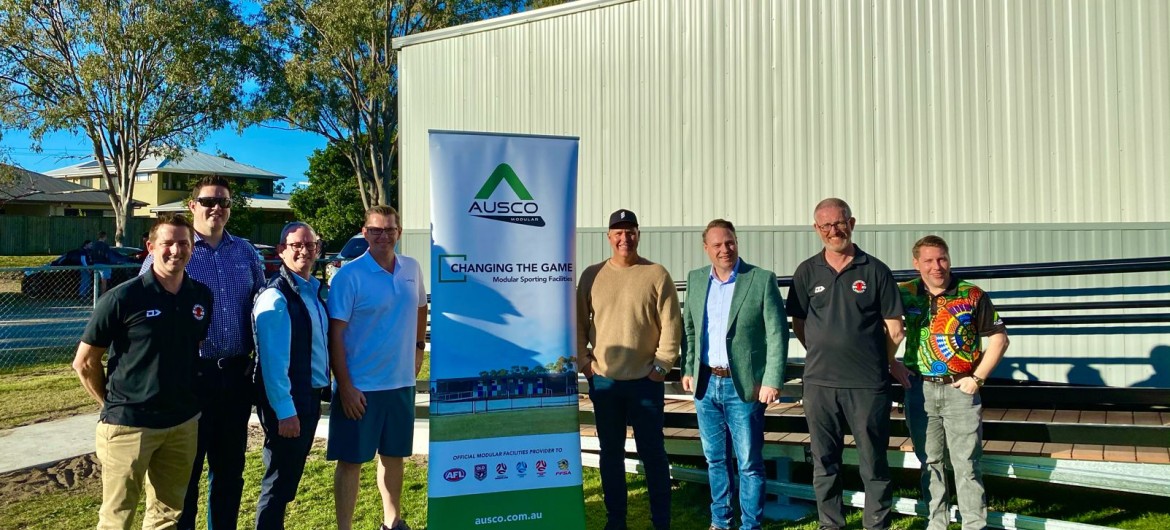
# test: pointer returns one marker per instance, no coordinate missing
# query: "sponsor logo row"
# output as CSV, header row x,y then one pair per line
x,y
457,474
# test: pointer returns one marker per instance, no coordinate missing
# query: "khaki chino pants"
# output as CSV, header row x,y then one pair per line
x,y
162,456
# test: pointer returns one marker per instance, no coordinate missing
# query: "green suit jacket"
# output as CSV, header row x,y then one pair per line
x,y
757,330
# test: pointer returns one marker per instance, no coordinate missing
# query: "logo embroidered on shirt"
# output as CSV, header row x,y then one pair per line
x,y
819,289
151,313
859,286
198,312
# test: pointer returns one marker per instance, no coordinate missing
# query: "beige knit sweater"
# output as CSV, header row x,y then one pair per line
x,y
628,319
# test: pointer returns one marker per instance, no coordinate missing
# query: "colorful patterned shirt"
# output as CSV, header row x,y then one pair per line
x,y
943,333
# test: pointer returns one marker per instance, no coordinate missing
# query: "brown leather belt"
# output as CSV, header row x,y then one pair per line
x,y
719,371
944,379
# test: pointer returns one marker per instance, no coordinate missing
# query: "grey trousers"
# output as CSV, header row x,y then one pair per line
x,y
943,419
867,412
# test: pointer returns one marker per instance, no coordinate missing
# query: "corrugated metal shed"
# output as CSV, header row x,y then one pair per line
x,y
917,112
1020,131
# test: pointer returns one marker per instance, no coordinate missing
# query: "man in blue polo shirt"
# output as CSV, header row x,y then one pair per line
x,y
147,431
231,267
377,329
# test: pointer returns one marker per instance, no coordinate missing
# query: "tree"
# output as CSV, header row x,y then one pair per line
x,y
133,76
331,203
332,71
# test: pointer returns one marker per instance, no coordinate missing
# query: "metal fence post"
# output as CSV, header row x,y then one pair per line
x,y
97,286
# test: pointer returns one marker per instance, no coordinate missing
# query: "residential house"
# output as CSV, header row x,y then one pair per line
x,y
163,180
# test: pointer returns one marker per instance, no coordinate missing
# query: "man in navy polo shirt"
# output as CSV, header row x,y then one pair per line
x,y
147,431
847,312
231,267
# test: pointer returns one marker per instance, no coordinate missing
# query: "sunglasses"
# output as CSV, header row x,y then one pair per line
x,y
208,202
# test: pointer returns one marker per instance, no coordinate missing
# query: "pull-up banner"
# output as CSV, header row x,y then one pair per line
x,y
505,447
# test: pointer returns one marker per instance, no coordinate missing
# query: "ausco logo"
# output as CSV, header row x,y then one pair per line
x,y
454,475
523,211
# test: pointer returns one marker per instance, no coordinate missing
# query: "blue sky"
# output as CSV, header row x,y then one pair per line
x,y
273,149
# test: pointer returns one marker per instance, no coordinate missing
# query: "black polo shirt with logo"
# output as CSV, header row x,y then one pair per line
x,y
153,339
843,314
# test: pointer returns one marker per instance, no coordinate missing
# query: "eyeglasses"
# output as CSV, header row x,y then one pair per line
x,y
374,231
304,246
841,226
208,202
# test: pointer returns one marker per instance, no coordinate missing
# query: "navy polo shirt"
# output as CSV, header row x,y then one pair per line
x,y
153,339
843,314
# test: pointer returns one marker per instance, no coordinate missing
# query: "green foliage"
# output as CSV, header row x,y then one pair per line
x,y
331,70
132,76
331,203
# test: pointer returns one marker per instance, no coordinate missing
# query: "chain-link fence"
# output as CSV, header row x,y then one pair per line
x,y
44,310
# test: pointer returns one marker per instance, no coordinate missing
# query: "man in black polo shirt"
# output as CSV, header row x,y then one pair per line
x,y
152,326
847,312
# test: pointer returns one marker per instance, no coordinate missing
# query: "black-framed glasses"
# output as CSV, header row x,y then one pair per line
x,y
208,202
299,246
841,226
374,231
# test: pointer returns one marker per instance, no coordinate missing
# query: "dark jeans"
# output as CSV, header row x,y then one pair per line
x,y
867,412
225,397
284,463
637,403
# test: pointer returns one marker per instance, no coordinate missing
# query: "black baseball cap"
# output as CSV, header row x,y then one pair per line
x,y
622,217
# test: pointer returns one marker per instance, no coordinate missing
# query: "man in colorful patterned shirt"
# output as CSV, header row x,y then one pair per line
x,y
954,339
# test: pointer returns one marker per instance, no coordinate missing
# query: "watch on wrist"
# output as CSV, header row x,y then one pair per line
x,y
420,345
978,380
661,371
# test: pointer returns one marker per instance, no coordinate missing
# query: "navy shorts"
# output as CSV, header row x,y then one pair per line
x,y
387,427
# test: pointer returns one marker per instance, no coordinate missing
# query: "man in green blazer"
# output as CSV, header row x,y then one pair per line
x,y
733,361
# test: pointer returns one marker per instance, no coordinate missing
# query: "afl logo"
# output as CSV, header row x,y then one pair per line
x,y
198,312
454,475
859,287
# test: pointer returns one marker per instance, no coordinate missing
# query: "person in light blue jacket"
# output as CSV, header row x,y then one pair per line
x,y
291,325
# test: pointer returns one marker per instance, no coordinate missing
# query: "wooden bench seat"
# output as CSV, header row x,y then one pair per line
x,y
681,424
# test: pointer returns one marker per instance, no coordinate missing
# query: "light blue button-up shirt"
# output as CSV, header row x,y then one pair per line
x,y
274,340
719,296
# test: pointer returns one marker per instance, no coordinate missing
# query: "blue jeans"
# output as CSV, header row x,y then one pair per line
x,y
720,411
638,403
943,420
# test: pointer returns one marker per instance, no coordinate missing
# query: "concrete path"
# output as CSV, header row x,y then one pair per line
x,y
52,441
48,442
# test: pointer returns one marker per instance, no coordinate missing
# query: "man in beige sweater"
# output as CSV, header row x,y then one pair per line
x,y
628,330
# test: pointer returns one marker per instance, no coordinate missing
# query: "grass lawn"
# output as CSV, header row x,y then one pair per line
x,y
504,423
25,261
313,508
41,392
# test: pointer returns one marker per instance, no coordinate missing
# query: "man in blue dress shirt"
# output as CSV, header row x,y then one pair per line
x,y
231,267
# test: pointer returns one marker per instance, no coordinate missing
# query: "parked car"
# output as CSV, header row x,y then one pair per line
x,y
353,248
270,257
47,283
